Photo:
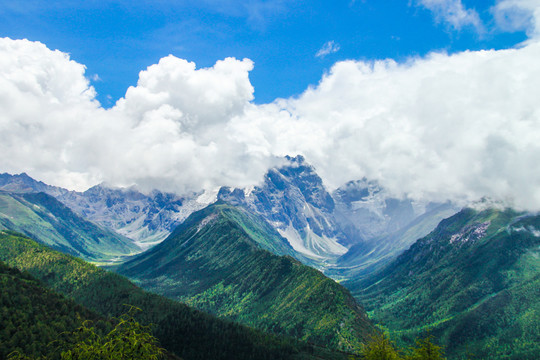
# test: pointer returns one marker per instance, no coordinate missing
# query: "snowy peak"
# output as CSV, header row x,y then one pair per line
x,y
294,200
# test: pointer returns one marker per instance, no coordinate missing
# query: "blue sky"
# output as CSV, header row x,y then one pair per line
x,y
115,40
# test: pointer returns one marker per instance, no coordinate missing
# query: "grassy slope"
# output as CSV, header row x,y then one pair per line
x,y
43,218
215,263
188,333
475,281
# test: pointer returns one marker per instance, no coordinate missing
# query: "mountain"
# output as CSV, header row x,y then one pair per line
x,y
22,183
223,260
367,257
146,219
46,219
294,200
366,211
359,226
186,332
474,281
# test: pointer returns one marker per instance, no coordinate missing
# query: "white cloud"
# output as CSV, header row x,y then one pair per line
x,y
453,13
518,15
461,126
328,48
167,132
443,127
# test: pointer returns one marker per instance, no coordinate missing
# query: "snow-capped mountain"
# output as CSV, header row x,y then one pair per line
x,y
294,200
360,215
358,222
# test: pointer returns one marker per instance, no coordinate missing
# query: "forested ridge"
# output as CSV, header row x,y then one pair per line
x,y
186,332
474,281
217,261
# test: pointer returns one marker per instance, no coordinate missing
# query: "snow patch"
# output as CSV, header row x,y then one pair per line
x,y
471,233
312,245
208,196
206,221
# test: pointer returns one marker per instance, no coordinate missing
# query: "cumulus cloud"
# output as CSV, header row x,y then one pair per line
x,y
167,132
461,127
453,12
328,48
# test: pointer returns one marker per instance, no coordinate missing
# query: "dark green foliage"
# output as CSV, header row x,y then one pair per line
x,y
217,261
32,317
181,330
128,340
379,347
45,219
426,350
475,281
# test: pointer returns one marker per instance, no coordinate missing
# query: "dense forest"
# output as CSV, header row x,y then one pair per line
x,y
186,332
32,317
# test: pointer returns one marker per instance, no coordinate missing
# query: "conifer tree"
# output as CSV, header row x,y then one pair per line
x,y
380,348
426,350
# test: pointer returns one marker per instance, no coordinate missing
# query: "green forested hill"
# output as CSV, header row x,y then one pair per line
x,y
217,261
474,281
188,333
32,317
45,219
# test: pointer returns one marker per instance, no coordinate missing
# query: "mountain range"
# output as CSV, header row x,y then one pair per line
x,y
261,255
146,219
224,260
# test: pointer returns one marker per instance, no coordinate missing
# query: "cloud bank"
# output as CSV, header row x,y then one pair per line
x,y
459,127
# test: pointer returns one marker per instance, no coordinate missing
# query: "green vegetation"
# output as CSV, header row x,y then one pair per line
x,y
128,340
181,330
380,347
32,317
45,219
217,261
475,281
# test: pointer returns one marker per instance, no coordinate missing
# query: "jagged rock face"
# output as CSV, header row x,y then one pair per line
x,y
147,219
294,200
